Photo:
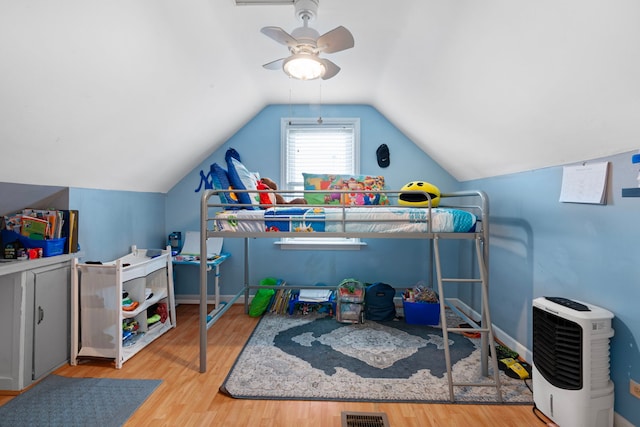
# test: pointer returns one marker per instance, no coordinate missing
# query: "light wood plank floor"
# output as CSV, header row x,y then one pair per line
x,y
188,398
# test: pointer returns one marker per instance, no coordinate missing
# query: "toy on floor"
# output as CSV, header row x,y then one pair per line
x,y
515,369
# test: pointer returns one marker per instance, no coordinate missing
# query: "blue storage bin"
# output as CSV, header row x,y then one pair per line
x,y
50,247
421,313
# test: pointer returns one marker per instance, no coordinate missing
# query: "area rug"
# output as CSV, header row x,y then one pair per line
x,y
62,401
315,357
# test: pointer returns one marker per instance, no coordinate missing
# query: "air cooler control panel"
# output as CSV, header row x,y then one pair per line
x,y
574,305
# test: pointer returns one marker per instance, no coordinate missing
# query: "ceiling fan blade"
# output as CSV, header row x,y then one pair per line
x,y
274,65
331,69
279,35
335,40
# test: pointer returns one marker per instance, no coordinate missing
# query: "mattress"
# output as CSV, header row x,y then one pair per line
x,y
379,219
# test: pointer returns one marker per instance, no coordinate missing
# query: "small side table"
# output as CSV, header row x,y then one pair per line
x,y
212,264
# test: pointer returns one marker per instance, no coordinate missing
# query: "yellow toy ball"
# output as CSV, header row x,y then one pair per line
x,y
419,199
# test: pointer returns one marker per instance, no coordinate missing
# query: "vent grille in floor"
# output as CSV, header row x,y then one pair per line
x,y
364,419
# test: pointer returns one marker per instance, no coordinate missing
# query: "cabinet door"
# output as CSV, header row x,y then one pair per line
x,y
13,308
51,319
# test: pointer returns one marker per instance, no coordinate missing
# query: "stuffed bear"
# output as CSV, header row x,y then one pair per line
x,y
278,198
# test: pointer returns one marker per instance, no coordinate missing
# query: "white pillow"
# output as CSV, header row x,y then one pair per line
x,y
249,180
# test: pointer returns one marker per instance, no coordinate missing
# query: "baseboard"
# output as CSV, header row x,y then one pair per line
x,y
195,299
619,421
500,335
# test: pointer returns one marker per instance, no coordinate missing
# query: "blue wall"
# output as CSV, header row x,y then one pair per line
x,y
111,221
538,245
541,247
398,262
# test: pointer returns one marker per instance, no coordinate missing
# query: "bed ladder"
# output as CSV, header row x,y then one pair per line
x,y
485,327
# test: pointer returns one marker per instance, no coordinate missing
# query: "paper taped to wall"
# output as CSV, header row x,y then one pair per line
x,y
586,183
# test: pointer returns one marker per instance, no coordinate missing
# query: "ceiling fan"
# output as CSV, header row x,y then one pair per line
x,y
305,45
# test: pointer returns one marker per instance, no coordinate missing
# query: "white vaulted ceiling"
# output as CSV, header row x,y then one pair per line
x,y
108,94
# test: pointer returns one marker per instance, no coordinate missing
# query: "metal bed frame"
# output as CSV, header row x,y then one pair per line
x,y
479,205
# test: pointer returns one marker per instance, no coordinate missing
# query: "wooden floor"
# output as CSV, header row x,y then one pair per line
x,y
188,398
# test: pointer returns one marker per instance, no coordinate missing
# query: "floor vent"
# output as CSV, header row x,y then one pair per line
x,y
364,419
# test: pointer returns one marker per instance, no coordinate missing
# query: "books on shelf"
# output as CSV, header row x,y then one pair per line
x,y
52,217
34,228
70,230
45,224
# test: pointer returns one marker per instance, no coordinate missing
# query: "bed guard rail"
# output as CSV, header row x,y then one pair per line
x,y
472,201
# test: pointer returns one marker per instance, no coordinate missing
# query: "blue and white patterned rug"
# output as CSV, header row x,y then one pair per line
x,y
317,358
68,402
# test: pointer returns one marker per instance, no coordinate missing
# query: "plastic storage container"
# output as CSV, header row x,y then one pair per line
x,y
421,313
50,247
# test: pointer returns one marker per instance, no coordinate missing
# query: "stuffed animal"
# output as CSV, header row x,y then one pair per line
x,y
279,200
265,198
419,199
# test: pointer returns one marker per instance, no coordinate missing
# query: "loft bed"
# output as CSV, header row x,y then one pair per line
x,y
460,215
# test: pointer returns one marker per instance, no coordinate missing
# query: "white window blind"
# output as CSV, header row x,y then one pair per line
x,y
310,147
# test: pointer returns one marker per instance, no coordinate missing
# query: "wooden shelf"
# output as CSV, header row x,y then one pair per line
x,y
631,192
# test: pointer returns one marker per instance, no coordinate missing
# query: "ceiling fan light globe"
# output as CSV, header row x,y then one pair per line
x,y
304,67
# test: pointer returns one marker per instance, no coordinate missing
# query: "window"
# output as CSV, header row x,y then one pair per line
x,y
329,147
314,146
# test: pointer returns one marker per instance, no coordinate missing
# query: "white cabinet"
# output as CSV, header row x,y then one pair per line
x,y
101,327
34,320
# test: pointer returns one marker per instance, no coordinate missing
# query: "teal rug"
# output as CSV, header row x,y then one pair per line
x,y
62,401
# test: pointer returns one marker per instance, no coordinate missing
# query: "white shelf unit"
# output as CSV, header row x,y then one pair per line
x,y
97,315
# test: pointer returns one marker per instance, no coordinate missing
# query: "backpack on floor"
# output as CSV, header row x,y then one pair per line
x,y
378,302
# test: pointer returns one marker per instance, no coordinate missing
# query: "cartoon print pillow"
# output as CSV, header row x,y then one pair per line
x,y
370,183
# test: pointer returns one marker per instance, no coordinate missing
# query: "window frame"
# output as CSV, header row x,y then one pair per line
x,y
318,243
